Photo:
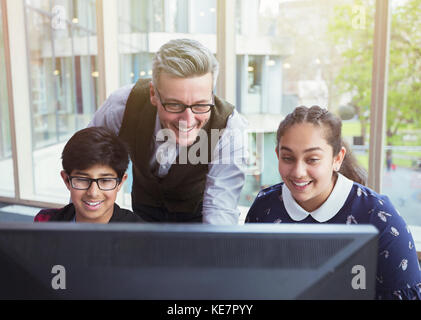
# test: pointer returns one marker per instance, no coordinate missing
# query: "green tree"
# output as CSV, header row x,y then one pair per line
x,y
404,86
353,38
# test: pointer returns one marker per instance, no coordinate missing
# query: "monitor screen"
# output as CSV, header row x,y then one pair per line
x,y
187,261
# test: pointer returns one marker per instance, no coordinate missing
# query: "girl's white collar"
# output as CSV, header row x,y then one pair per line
x,y
327,210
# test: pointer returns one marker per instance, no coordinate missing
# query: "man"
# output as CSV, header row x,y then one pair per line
x,y
179,100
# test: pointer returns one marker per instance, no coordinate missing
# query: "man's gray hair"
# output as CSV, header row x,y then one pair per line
x,y
184,58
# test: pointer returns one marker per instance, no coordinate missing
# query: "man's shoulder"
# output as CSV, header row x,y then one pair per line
x,y
226,110
223,109
137,94
223,103
110,114
120,96
237,121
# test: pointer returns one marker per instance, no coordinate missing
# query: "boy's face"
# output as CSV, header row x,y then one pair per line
x,y
93,205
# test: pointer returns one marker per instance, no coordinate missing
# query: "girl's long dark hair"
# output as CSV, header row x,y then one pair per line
x,y
333,127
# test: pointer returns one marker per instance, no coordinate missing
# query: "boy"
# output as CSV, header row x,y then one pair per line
x,y
94,164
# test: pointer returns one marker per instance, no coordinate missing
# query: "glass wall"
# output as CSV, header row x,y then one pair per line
x,y
287,53
292,53
145,25
402,167
63,75
7,186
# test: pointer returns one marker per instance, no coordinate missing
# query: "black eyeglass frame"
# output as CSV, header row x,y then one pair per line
x,y
185,106
118,180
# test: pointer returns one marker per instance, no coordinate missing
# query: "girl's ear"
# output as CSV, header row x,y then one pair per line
x,y
65,178
122,182
339,158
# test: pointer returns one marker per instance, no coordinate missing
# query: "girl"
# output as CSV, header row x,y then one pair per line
x,y
322,183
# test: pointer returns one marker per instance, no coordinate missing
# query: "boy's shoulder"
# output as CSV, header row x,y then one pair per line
x,y
45,215
124,215
59,214
67,213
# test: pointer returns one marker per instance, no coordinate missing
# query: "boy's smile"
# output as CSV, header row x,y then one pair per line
x,y
93,205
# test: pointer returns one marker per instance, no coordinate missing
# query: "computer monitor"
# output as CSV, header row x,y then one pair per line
x,y
187,262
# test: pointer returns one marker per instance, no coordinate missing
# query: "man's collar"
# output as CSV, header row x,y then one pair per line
x,y
157,126
327,210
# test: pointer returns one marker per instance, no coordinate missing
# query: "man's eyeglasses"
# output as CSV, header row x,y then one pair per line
x,y
176,107
105,184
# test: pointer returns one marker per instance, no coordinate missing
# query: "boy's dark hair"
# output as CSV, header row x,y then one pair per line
x,y
95,146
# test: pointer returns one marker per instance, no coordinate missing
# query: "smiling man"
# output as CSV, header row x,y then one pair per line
x,y
179,100
184,122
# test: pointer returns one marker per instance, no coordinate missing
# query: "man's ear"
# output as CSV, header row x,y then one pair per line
x,y
152,94
122,182
65,178
277,151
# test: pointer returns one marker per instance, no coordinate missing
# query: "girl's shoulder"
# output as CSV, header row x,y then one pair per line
x,y
380,210
267,207
268,192
366,196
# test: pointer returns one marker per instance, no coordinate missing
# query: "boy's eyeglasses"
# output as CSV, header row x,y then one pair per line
x,y
105,184
174,107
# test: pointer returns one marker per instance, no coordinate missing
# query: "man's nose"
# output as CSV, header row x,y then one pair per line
x,y
187,117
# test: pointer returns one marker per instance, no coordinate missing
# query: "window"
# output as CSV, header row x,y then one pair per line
x,y
292,53
402,167
287,53
63,84
141,35
7,185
